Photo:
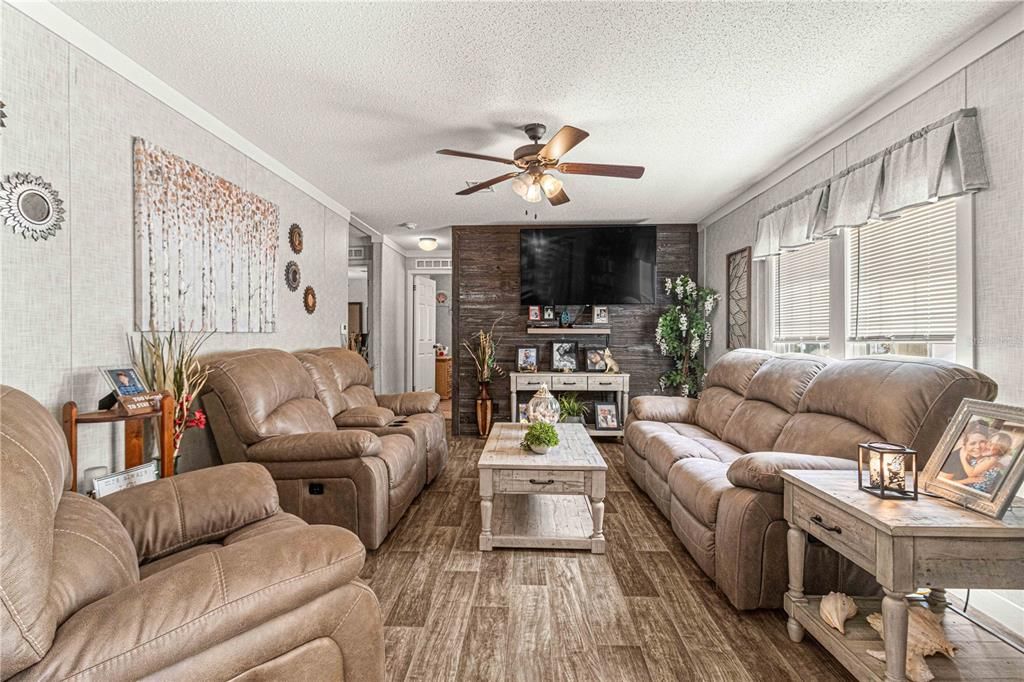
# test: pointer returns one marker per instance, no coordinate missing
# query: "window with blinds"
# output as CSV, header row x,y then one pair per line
x,y
902,277
802,294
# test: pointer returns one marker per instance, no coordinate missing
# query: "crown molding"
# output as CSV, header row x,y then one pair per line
x,y
986,40
61,24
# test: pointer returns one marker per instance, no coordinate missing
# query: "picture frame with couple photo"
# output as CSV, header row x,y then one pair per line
x,y
979,463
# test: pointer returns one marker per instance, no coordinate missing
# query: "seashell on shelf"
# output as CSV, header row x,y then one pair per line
x,y
836,608
925,637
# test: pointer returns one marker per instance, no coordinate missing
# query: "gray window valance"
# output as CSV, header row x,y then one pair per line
x,y
941,160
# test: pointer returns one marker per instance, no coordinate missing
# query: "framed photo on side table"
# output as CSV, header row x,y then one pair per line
x,y
979,463
606,416
526,358
563,356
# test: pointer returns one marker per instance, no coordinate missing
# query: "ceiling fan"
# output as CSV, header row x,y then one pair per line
x,y
533,180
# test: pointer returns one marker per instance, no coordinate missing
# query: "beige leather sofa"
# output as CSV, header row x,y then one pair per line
x,y
196,577
262,407
344,384
711,465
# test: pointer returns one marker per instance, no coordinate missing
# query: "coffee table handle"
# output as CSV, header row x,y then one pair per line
x,y
547,482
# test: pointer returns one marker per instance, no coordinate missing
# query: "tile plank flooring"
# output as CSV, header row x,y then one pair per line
x,y
643,611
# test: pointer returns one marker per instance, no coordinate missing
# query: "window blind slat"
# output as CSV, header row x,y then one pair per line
x,y
903,277
802,294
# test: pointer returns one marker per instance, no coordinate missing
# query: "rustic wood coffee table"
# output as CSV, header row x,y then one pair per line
x,y
550,501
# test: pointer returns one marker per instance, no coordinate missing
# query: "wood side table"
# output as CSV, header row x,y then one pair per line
x,y
549,501
906,545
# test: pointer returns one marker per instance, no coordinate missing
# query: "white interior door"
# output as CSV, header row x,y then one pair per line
x,y
424,324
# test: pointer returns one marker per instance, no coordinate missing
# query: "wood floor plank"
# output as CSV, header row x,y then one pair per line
x,y
643,611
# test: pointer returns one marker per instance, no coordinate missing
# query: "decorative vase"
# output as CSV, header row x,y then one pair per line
x,y
543,407
484,411
540,449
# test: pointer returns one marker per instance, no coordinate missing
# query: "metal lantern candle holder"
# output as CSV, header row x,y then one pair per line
x,y
887,465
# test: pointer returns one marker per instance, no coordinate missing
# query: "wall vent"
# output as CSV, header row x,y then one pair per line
x,y
433,263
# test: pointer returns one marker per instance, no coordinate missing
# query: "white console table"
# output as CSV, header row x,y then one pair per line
x,y
580,382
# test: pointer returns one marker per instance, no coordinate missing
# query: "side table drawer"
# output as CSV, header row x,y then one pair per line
x,y
569,383
604,383
533,481
841,531
532,382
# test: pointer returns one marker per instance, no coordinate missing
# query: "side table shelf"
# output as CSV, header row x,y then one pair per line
x,y
133,433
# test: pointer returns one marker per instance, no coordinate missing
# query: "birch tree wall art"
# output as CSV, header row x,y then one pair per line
x,y
205,249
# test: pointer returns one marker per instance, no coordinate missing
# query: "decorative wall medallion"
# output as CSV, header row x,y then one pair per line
x,y
737,274
30,206
295,238
309,300
442,297
292,276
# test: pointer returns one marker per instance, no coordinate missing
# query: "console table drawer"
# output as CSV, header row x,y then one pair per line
x,y
838,529
532,481
569,383
604,382
532,382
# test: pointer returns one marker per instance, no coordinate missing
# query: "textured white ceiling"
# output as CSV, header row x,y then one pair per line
x,y
356,97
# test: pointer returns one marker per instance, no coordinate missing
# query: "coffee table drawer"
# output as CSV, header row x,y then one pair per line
x,y
569,383
535,481
841,531
604,383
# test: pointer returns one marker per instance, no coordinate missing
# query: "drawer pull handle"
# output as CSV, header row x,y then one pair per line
x,y
817,520
538,482
604,383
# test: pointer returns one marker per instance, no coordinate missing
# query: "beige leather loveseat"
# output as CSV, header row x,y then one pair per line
x,y
196,577
711,465
263,407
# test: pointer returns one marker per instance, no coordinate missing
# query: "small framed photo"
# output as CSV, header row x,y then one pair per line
x,y
595,360
563,356
979,463
606,416
549,312
124,381
534,312
526,358
600,314
523,416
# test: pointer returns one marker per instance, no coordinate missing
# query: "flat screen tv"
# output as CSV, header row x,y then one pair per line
x,y
587,265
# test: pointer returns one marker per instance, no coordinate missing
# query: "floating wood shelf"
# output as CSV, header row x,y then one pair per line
x,y
570,331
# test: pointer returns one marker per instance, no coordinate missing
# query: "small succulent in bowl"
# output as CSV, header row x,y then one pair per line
x,y
540,437
572,409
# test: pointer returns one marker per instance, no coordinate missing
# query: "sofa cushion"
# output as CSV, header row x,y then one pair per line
x,y
763,470
664,450
399,455
755,425
717,404
639,433
365,417
664,408
726,384
698,484
782,381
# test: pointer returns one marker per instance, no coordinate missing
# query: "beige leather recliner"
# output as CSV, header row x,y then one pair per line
x,y
712,465
344,384
262,407
199,576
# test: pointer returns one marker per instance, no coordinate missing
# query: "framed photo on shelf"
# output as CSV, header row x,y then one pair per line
x,y
549,313
600,314
534,313
526,358
523,416
606,417
563,356
124,381
979,463
595,360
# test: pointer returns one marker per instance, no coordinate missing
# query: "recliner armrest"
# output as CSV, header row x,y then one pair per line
x,y
663,408
315,446
410,403
762,470
172,514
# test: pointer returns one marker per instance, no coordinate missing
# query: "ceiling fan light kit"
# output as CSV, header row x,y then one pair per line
x,y
533,183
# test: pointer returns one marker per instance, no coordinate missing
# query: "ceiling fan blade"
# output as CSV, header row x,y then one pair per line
x,y
484,185
564,140
470,155
607,170
559,199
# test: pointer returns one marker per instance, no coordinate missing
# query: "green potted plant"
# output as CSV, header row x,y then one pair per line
x,y
540,437
683,332
573,410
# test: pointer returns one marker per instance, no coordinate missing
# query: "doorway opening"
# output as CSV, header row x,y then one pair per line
x,y
431,333
360,304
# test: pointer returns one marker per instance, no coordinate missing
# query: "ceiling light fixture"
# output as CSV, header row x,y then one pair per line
x,y
428,243
409,226
550,184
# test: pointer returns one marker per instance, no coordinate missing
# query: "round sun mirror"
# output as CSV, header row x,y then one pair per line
x,y
35,206
30,206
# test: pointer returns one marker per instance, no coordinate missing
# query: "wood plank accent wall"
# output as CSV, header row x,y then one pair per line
x,y
485,284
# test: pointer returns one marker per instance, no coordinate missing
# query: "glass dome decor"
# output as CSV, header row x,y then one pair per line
x,y
543,407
